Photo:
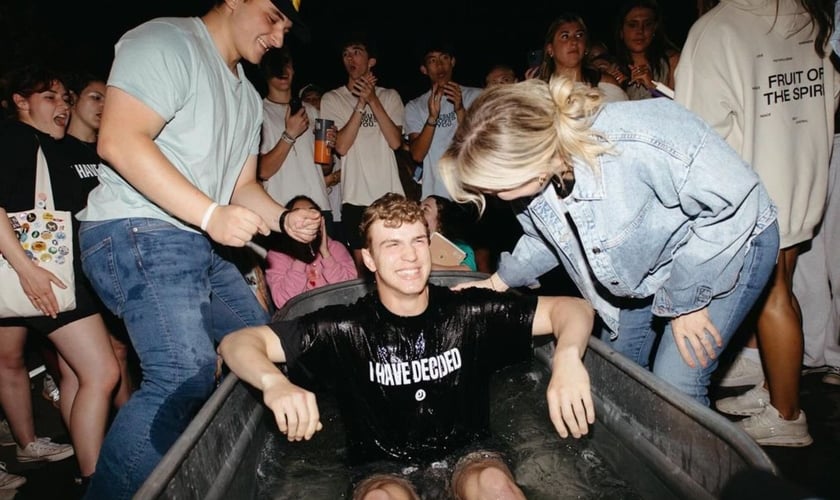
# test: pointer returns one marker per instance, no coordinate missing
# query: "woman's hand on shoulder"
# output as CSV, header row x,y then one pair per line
x,y
473,284
492,283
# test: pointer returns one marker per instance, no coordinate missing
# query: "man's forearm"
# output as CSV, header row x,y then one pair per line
x,y
245,354
252,196
390,131
573,336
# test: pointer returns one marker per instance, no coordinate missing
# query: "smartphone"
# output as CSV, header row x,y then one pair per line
x,y
444,252
535,58
294,105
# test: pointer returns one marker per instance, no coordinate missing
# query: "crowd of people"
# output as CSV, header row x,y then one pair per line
x,y
685,193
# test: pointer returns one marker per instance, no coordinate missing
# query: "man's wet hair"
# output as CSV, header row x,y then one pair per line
x,y
393,210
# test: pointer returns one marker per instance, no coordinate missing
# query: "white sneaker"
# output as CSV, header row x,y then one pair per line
x,y
50,391
768,428
10,481
751,402
807,370
832,375
44,450
742,371
6,437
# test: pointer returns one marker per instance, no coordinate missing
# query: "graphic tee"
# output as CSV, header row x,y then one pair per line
x,y
72,166
411,389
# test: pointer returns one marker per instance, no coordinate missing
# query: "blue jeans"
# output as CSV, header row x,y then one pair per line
x,y
640,330
178,298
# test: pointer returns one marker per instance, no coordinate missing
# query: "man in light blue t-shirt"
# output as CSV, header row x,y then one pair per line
x,y
180,134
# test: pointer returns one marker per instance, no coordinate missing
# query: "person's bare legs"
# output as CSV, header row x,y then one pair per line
x,y
87,352
126,384
14,384
780,339
67,381
485,479
384,487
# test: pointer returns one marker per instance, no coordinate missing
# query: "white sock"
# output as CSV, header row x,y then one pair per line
x,y
751,353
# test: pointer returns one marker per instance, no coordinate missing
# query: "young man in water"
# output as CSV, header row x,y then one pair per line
x,y
410,365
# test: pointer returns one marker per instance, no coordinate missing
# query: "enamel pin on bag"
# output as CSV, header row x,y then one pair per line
x,y
46,236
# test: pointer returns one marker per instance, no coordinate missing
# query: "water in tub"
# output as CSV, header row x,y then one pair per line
x,y
546,466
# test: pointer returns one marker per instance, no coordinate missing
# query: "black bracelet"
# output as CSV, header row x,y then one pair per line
x,y
282,220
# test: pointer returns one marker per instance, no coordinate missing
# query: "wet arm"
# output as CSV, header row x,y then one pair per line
x,y
251,354
569,394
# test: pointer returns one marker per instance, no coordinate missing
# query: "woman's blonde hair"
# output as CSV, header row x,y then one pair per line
x,y
513,134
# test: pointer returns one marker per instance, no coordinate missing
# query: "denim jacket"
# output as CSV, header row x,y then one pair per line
x,y
670,215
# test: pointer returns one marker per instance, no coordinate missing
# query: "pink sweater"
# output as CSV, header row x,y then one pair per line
x,y
287,277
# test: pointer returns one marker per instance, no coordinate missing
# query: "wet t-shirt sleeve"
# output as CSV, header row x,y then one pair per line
x,y
290,333
315,342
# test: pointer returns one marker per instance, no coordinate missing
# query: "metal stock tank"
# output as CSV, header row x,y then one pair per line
x,y
662,443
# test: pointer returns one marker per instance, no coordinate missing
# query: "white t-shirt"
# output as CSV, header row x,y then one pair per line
x,y
369,169
299,173
212,115
416,115
612,92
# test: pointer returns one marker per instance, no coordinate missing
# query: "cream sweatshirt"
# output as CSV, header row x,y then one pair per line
x,y
752,73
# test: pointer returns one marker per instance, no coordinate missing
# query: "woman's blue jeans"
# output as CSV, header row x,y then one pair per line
x,y
639,329
178,298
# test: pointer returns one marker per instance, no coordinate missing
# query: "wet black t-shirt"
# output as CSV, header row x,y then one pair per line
x,y
412,388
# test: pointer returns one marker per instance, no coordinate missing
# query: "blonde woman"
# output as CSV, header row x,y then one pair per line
x,y
663,228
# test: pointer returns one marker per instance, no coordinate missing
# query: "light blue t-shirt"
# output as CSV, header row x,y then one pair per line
x,y
416,114
213,116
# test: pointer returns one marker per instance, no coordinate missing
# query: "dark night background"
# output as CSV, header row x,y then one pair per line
x,y
82,34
